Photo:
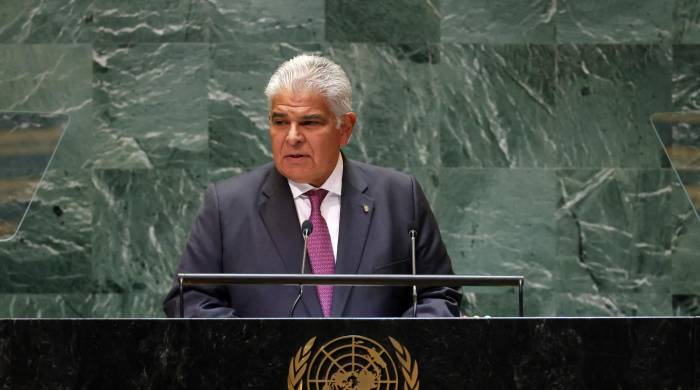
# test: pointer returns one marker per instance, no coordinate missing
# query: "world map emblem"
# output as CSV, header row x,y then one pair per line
x,y
352,363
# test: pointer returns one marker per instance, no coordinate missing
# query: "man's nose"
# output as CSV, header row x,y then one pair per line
x,y
294,137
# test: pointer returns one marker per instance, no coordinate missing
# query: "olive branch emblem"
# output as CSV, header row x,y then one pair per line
x,y
409,367
298,365
301,362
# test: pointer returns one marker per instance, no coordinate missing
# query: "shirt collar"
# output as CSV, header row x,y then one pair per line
x,y
334,183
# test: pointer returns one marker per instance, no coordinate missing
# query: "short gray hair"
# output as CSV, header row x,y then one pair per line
x,y
315,73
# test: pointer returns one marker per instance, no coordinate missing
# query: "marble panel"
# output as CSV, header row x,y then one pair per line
x,y
27,143
46,21
52,79
498,22
617,230
82,305
605,96
238,107
620,21
265,20
686,256
495,302
151,105
686,78
52,250
583,304
392,21
141,223
395,96
498,106
686,21
132,21
500,222
686,305
557,302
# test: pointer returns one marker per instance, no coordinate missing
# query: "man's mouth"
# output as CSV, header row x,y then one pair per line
x,y
296,156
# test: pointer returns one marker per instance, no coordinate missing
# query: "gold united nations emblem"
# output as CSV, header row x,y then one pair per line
x,y
352,363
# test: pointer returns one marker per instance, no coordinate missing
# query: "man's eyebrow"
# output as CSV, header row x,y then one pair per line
x,y
278,115
312,116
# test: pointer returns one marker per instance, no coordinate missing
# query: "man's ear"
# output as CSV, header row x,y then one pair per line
x,y
347,123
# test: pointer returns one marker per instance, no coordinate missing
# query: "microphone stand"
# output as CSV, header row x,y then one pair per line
x,y
306,229
412,232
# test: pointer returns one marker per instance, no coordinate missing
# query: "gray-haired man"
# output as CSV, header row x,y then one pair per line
x,y
360,213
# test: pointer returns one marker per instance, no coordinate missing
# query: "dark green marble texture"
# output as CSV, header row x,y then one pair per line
x,y
606,93
266,20
619,21
53,79
28,143
486,232
686,77
150,212
400,114
526,122
605,225
80,305
131,21
686,305
498,22
686,17
151,103
685,258
46,21
392,21
498,106
52,251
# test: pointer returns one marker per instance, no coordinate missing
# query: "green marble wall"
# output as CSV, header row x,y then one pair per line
x,y
526,122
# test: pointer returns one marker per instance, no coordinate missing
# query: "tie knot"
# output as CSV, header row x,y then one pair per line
x,y
316,197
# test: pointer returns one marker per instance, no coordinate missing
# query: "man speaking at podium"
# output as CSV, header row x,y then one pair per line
x,y
360,215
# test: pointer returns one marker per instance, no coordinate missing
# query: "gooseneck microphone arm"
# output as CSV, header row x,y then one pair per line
x,y
306,228
413,233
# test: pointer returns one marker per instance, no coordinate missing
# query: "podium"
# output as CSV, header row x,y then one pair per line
x,y
500,353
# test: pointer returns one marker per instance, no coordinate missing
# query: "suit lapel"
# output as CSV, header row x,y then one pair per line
x,y
279,214
356,210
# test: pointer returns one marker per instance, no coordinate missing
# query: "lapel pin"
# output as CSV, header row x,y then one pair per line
x,y
365,208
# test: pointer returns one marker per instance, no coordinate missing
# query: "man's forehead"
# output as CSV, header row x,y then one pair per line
x,y
285,114
301,102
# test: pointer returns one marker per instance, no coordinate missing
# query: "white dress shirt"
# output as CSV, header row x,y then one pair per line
x,y
330,207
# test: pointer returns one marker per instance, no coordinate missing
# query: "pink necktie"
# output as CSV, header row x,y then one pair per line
x,y
320,249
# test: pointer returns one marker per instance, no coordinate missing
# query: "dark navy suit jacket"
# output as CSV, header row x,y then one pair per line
x,y
249,224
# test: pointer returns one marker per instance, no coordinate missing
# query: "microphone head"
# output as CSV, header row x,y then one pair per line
x,y
412,227
307,227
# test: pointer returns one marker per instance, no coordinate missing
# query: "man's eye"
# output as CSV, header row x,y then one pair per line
x,y
310,123
279,122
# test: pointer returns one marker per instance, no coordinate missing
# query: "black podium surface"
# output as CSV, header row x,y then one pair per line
x,y
509,353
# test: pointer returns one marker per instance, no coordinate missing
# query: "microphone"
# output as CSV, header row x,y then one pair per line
x,y
413,232
306,228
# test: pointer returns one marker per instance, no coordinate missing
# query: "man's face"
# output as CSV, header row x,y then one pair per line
x,y
305,140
